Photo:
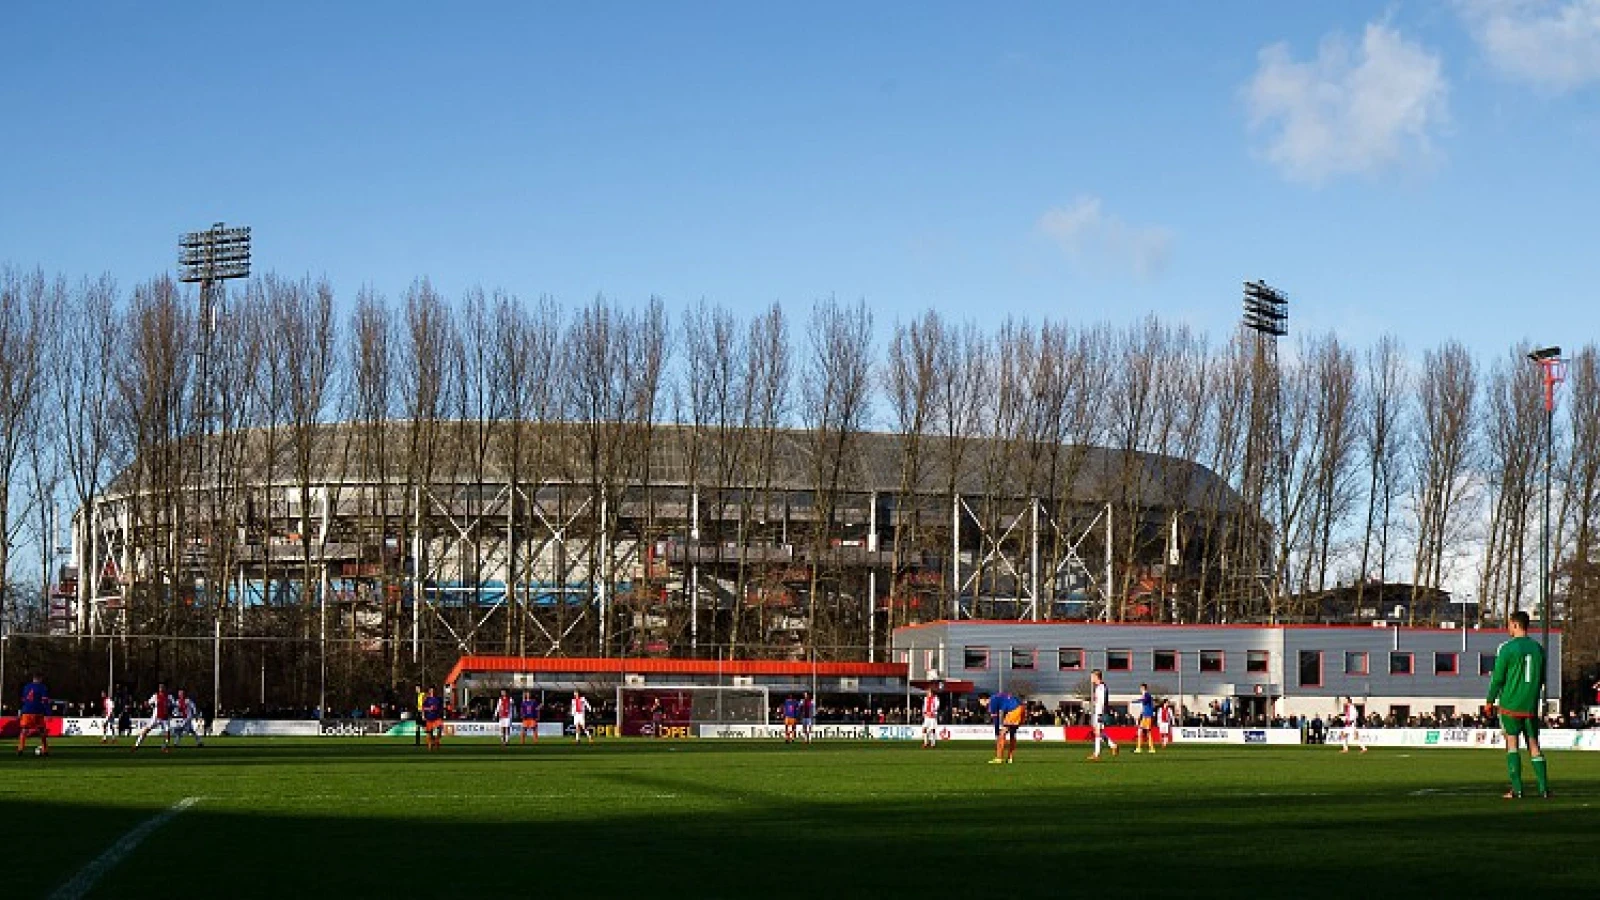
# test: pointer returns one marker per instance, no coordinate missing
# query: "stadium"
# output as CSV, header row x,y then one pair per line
x,y
410,544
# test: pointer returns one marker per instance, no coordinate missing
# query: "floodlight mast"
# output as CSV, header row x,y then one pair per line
x,y
1552,371
209,258
1266,312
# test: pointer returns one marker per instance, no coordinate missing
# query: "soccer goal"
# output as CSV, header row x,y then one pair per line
x,y
663,711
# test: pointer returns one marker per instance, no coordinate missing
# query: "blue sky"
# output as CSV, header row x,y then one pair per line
x,y
1422,168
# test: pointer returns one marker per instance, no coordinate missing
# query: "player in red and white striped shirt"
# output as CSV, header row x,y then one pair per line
x,y
580,718
160,718
930,719
1352,719
502,714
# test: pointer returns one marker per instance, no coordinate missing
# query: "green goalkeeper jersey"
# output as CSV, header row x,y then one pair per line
x,y
1518,676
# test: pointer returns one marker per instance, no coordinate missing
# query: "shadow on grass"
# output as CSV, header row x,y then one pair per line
x,y
1055,843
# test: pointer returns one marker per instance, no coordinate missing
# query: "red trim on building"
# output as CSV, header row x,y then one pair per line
x,y
592,666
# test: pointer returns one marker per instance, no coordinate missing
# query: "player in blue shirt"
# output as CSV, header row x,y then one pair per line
x,y
1147,720
791,718
34,707
1006,711
433,718
530,717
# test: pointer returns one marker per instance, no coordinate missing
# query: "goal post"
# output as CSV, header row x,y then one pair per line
x,y
683,708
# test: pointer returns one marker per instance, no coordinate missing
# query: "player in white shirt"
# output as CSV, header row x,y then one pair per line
x,y
930,719
1100,713
502,714
108,725
580,718
1164,723
184,712
160,704
1352,722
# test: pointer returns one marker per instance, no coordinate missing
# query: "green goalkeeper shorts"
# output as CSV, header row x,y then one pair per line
x,y
1525,726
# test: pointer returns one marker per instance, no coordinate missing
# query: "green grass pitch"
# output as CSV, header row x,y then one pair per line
x,y
378,817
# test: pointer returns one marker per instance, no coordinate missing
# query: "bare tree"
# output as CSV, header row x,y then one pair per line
x,y
1445,453
1513,429
1384,445
836,388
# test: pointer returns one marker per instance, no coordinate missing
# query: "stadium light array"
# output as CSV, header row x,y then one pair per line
x,y
1266,309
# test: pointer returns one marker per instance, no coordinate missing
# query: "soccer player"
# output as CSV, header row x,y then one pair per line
x,y
1164,723
1147,721
930,720
1516,688
160,704
417,732
35,706
530,717
184,712
580,718
1100,713
1006,711
808,715
1352,731
791,718
108,723
433,718
658,718
502,713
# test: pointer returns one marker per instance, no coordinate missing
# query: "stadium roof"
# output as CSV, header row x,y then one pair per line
x,y
467,452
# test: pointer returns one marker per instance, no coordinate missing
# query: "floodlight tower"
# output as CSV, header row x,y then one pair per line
x,y
209,258
1552,371
1266,312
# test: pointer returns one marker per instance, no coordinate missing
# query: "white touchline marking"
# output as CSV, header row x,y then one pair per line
x,y
105,862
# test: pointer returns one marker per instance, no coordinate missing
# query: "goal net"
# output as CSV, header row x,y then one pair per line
x,y
678,711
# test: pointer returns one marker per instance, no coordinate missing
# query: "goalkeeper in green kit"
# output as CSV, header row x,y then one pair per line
x,y
1516,687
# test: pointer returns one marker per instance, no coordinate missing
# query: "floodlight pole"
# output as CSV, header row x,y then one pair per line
x,y
208,258
1552,371
1266,312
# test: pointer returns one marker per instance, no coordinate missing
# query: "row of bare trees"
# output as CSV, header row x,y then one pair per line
x,y
1368,464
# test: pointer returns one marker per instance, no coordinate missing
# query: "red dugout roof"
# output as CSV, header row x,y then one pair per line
x,y
642,666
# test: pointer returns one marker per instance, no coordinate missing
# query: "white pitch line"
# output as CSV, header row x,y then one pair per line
x,y
105,862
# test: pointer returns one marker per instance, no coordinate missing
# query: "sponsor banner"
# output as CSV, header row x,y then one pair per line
x,y
408,729
759,732
1465,738
1039,734
356,727
1184,734
82,726
269,728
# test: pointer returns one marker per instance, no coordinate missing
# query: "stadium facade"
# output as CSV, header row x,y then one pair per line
x,y
601,539
1259,670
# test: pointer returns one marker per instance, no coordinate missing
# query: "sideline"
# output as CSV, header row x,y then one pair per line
x,y
105,862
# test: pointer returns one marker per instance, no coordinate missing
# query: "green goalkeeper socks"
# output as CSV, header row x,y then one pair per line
x,y
1540,774
1514,769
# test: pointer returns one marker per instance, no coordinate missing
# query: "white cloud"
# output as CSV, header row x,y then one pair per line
x,y
1086,233
1352,110
1551,43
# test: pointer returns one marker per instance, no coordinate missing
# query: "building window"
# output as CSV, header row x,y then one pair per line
x,y
1069,659
1022,658
1444,713
1119,660
1311,668
1485,664
1400,664
1211,661
975,657
1255,662
1355,663
1445,664
1164,661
